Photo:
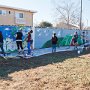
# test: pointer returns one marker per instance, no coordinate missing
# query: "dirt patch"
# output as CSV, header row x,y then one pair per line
x,y
58,71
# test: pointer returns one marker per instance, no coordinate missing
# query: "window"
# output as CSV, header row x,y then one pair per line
x,y
19,15
3,12
0,11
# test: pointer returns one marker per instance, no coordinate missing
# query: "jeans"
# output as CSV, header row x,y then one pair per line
x,y
53,47
29,47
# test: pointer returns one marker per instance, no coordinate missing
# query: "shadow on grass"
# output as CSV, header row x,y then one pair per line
x,y
11,65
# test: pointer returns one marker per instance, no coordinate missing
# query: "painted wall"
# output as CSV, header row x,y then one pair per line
x,y
42,35
9,33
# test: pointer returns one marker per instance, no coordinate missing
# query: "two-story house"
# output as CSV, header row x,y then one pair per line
x,y
15,16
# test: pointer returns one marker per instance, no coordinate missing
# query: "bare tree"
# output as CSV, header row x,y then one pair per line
x,y
68,12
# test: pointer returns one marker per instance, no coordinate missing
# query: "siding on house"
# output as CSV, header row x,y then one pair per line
x,y
15,16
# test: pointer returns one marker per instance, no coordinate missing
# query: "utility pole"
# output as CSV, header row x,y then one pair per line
x,y
81,17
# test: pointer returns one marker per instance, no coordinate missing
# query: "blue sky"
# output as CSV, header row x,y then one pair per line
x,y
45,9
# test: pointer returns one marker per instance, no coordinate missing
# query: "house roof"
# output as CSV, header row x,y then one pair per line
x,y
87,28
15,8
64,25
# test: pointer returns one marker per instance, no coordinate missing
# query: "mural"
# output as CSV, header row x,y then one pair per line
x,y
9,33
41,36
49,43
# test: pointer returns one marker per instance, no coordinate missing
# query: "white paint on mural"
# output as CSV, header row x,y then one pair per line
x,y
39,34
59,33
38,30
7,29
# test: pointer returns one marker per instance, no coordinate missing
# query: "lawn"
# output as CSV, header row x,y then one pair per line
x,y
56,71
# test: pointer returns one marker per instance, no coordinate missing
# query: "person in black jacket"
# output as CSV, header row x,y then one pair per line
x,y
54,42
19,36
83,37
75,40
1,43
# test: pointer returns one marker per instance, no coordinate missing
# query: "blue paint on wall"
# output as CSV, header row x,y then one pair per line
x,y
9,33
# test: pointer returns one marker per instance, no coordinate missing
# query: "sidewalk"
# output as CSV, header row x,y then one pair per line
x,y
39,52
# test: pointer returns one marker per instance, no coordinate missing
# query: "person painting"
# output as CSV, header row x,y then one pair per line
x,y
54,42
1,43
75,38
83,37
29,42
19,36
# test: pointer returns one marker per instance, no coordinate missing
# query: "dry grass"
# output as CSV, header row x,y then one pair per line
x,y
57,71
